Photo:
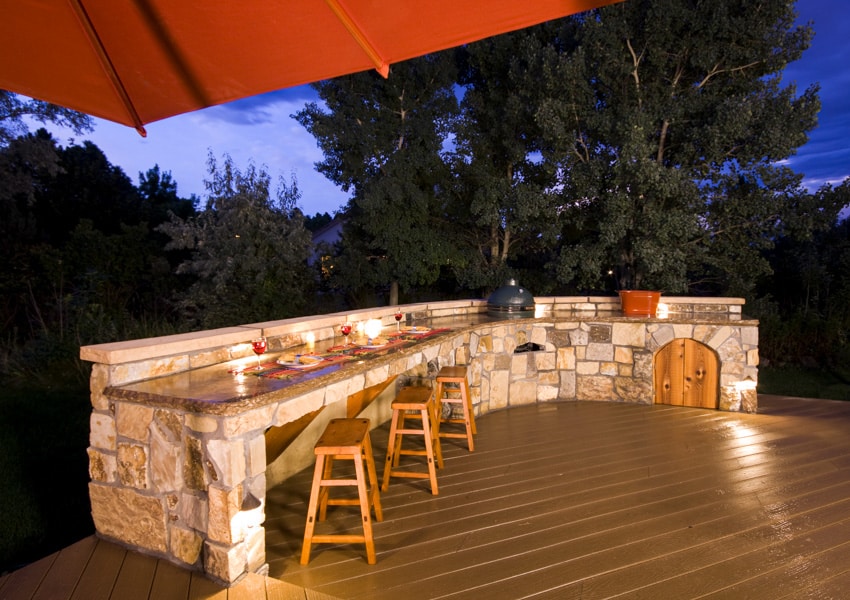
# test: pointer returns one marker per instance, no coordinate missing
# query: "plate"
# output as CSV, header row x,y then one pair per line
x,y
302,362
376,343
415,329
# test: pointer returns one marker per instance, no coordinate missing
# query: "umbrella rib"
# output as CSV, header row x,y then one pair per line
x,y
106,64
381,65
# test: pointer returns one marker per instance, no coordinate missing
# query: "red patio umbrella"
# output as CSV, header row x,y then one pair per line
x,y
138,61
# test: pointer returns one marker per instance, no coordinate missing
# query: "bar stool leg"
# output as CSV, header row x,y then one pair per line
x,y
315,490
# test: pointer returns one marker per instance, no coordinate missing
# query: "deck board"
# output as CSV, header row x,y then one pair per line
x,y
594,501
563,501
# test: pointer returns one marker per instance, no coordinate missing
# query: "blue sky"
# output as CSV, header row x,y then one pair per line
x,y
261,129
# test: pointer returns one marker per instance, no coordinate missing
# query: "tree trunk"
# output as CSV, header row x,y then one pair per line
x,y
394,293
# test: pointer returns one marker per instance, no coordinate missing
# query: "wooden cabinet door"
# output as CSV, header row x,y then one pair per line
x,y
686,373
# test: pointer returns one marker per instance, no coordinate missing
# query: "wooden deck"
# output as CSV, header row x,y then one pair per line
x,y
567,501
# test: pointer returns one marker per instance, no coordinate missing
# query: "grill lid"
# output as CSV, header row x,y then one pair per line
x,y
510,300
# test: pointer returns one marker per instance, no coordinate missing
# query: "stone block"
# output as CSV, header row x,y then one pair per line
x,y
224,505
102,431
102,467
547,393
132,420
629,334
201,423
566,358
254,420
551,377
730,399
642,364
595,387
568,386
753,357
499,389
255,544
519,364
228,461
586,367
720,335
578,337
256,447
750,336
608,368
545,361
170,423
663,336
599,334
193,511
633,390
538,335
225,563
166,471
523,392
294,409
623,354
133,466
599,352
186,545
125,373
129,516
193,464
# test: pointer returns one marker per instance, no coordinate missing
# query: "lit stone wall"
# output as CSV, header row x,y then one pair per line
x,y
188,484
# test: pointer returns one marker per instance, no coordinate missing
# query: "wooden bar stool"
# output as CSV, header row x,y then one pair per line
x,y
346,439
418,400
456,392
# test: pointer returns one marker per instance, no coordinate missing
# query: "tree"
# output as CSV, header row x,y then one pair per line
x,y
14,108
248,250
657,119
501,183
383,140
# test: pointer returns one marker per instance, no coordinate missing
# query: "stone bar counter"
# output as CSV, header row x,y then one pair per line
x,y
180,446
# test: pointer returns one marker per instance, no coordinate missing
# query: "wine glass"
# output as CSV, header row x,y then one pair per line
x,y
398,317
259,346
345,329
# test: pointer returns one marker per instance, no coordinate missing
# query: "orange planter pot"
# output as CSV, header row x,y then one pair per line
x,y
639,303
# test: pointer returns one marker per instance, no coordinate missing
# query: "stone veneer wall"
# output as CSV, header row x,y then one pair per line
x,y
190,486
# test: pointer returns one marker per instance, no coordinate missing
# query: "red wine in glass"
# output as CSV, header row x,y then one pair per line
x,y
345,328
259,346
398,317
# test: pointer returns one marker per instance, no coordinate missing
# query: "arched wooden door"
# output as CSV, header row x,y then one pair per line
x,y
687,373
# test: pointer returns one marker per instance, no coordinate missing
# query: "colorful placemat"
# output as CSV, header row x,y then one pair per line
x,y
335,355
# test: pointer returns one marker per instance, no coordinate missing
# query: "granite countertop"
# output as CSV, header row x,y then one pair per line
x,y
217,389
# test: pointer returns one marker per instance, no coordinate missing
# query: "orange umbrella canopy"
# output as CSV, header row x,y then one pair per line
x,y
138,61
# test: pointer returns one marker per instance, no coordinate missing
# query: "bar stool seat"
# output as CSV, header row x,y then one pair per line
x,y
346,439
452,388
419,402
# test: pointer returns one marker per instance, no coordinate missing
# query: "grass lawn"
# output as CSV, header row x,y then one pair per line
x,y
803,383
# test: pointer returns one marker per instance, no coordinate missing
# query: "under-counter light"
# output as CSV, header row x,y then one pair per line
x,y
663,311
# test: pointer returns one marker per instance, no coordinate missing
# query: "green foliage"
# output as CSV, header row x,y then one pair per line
x,y
654,119
247,250
500,183
383,140
13,109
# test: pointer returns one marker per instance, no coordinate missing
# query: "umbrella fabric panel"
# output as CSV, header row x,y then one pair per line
x,y
138,61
